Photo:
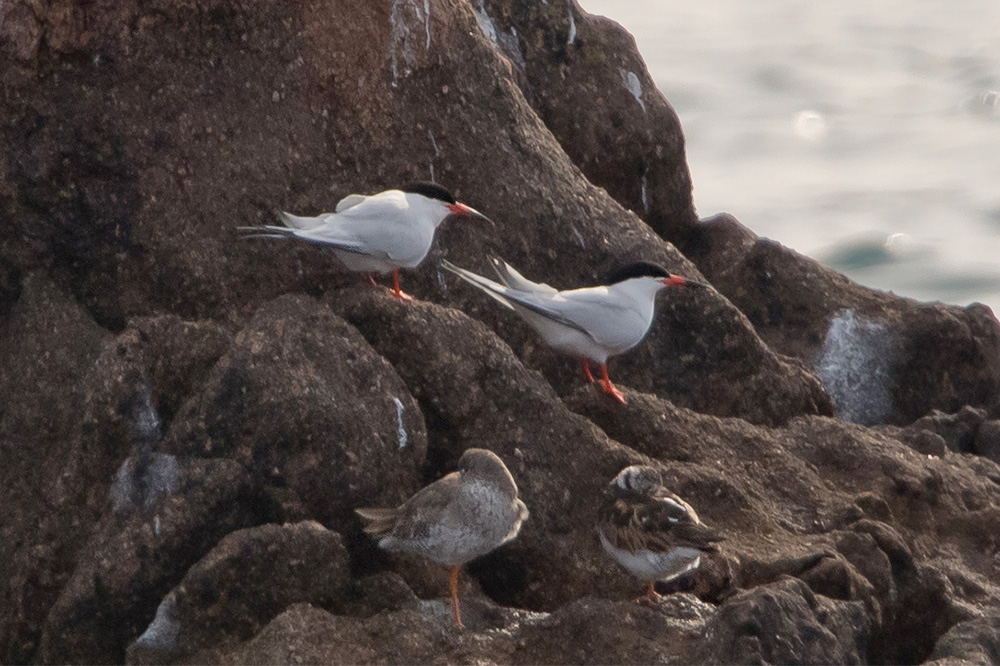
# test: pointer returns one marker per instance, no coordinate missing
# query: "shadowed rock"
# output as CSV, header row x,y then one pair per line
x,y
303,401
131,562
883,359
248,577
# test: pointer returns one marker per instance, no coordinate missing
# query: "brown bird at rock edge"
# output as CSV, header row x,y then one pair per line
x,y
456,519
650,531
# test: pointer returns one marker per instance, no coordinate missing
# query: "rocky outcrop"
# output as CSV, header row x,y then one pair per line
x,y
187,421
883,359
302,401
247,579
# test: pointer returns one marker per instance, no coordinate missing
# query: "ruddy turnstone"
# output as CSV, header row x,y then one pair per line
x,y
376,234
650,531
591,323
456,519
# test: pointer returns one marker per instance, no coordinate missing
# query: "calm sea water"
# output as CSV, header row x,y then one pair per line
x,y
866,135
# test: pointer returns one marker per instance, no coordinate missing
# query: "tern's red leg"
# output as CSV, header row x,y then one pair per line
x,y
585,364
651,591
371,278
608,387
454,598
396,291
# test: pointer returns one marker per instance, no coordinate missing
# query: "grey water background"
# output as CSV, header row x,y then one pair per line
x,y
865,135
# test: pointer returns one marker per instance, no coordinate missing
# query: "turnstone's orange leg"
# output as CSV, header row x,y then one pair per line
x,y
585,364
454,598
608,387
651,591
396,291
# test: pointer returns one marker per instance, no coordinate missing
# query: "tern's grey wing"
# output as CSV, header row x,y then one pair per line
x,y
349,201
313,235
608,320
375,226
538,303
511,278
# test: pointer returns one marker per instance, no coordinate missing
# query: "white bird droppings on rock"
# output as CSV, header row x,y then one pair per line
x,y
402,51
400,428
163,631
857,366
634,86
506,42
572,24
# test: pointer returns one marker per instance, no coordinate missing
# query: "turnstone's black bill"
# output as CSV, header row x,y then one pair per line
x,y
375,234
651,532
592,323
456,519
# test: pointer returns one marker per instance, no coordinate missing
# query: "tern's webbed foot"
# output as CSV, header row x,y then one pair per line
x,y
610,389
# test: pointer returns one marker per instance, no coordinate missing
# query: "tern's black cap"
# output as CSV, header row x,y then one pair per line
x,y
637,269
431,191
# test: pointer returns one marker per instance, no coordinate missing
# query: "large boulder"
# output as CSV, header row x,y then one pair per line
x,y
307,405
133,559
247,579
883,359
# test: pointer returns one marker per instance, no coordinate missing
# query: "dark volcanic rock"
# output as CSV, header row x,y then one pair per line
x,y
248,578
785,496
49,344
588,631
303,401
883,359
987,442
140,135
598,631
630,141
975,641
958,430
132,560
304,634
787,623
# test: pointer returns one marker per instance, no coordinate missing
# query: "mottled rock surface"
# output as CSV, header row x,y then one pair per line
x,y
187,421
247,579
882,359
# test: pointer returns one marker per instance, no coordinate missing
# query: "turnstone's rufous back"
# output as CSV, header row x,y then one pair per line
x,y
650,531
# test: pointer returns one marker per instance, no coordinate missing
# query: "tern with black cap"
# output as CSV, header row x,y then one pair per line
x,y
592,323
378,233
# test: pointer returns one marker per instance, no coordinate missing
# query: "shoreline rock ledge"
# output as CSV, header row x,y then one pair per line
x,y
187,421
